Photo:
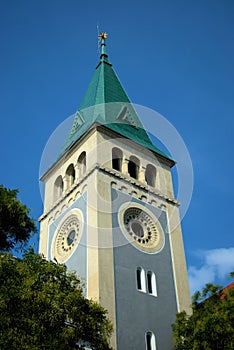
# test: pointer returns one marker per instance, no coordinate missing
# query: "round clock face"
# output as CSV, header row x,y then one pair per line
x,y
67,237
141,228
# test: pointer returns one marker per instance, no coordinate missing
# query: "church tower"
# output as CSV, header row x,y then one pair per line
x,y
111,216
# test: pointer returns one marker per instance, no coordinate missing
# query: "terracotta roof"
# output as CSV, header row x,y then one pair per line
x,y
223,292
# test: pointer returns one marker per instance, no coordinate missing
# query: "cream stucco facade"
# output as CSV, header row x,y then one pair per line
x,y
110,215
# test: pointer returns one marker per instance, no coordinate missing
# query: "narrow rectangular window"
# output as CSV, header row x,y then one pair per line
x,y
138,279
149,282
148,341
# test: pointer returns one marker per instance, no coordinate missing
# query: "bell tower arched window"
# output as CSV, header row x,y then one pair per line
x,y
58,187
70,175
150,341
150,175
133,167
117,157
82,163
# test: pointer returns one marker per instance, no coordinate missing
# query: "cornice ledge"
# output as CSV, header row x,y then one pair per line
x,y
116,174
139,184
67,192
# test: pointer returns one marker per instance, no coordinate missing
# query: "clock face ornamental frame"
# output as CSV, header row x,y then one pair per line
x,y
141,228
67,236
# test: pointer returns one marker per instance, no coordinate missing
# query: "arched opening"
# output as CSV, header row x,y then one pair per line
x,y
82,163
150,175
70,175
150,341
151,283
133,167
140,279
58,187
117,157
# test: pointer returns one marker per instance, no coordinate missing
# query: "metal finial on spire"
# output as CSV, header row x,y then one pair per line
x,y
102,37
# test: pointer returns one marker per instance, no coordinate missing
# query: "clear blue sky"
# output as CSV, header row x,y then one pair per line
x,y
174,56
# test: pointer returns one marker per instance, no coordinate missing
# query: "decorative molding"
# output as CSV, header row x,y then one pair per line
x,y
139,185
125,179
67,236
141,228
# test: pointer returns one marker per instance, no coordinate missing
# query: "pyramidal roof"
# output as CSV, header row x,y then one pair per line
x,y
106,103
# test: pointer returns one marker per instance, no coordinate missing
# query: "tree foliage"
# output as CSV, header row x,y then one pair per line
x,y
15,224
211,326
42,307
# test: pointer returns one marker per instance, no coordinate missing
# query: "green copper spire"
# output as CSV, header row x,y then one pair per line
x,y
104,86
106,103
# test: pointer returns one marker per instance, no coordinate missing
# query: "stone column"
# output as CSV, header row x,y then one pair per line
x,y
77,172
125,166
141,176
66,183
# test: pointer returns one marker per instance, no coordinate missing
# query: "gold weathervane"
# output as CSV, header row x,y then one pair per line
x,y
102,35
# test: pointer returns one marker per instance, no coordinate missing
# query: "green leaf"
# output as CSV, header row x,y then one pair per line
x,y
42,306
